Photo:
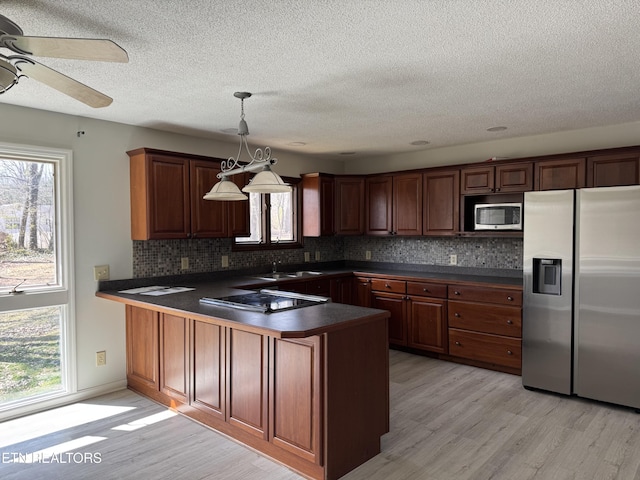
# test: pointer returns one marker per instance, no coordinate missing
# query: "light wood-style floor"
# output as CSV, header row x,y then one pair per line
x,y
448,422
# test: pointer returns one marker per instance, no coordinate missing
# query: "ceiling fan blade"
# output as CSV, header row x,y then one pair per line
x,y
72,48
62,83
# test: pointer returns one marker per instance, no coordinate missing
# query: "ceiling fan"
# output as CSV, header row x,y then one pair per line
x,y
13,67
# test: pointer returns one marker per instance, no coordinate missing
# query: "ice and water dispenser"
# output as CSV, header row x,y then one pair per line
x,y
546,275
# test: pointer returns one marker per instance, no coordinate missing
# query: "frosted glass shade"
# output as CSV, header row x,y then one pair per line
x,y
225,190
267,181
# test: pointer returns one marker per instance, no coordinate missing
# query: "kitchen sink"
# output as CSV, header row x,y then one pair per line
x,y
284,275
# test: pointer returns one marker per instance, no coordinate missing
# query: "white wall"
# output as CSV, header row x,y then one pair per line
x,y
102,215
622,135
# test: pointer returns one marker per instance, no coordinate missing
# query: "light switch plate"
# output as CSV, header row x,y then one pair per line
x,y
184,263
453,259
317,255
307,256
367,255
225,261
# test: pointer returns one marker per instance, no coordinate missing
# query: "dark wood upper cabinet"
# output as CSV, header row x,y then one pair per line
x,y
613,170
441,193
349,205
560,174
239,219
394,204
503,178
166,198
318,197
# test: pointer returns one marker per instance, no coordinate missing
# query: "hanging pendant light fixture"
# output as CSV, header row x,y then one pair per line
x,y
265,181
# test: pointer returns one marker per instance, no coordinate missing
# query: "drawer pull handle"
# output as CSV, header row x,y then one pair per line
x,y
510,299
457,315
509,352
425,289
509,322
386,285
456,293
458,343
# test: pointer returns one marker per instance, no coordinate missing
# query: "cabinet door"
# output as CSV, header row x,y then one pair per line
x,y
208,368
342,290
169,200
318,198
246,388
174,359
208,217
321,286
142,348
477,180
239,221
362,292
407,204
379,205
349,206
516,177
560,174
296,397
441,193
428,324
397,307
613,170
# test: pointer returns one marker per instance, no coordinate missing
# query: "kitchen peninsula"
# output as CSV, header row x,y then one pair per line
x,y
308,387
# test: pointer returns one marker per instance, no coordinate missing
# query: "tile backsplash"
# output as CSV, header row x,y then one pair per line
x,y
163,257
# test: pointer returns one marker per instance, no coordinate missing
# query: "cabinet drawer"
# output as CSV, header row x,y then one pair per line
x,y
503,296
320,287
496,319
427,289
484,347
394,286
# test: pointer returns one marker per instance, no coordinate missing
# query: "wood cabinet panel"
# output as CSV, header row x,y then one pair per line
x,y
296,397
407,204
516,177
342,290
397,306
496,319
560,174
613,170
239,221
174,360
387,285
318,197
208,218
169,199
441,193
320,286
349,206
247,383
362,292
427,289
427,320
208,368
478,180
379,192
503,296
484,347
142,348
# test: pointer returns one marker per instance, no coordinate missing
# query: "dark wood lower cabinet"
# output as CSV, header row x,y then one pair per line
x,y
427,324
317,404
396,305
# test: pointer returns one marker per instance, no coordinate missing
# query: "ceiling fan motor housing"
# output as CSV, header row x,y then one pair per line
x,y
8,75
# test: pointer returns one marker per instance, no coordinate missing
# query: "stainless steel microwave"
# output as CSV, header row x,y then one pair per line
x,y
498,216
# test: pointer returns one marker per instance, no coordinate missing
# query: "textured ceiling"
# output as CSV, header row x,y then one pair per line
x,y
348,75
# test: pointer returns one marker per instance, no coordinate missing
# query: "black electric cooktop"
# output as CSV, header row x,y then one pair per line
x,y
266,301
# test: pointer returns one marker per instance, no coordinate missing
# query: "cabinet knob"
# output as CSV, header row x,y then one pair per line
x,y
458,343
510,299
386,285
509,352
425,290
456,293
509,322
457,315
498,189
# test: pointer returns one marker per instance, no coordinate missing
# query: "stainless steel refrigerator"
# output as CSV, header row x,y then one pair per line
x,y
581,311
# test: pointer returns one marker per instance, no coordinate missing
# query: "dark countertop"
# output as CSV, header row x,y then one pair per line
x,y
294,323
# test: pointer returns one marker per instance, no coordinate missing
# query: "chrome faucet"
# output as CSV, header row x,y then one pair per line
x,y
274,266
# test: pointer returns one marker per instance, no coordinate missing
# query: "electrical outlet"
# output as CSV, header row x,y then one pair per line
x,y
367,255
225,261
101,272
184,263
453,259
307,256
101,358
317,255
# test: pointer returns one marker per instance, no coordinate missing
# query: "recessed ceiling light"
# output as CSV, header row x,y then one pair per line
x,y
347,153
419,142
229,130
496,129
297,144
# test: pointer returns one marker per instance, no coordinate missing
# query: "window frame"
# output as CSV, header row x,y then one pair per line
x,y
61,294
266,243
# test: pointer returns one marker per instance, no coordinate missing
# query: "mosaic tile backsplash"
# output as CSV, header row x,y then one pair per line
x,y
163,257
